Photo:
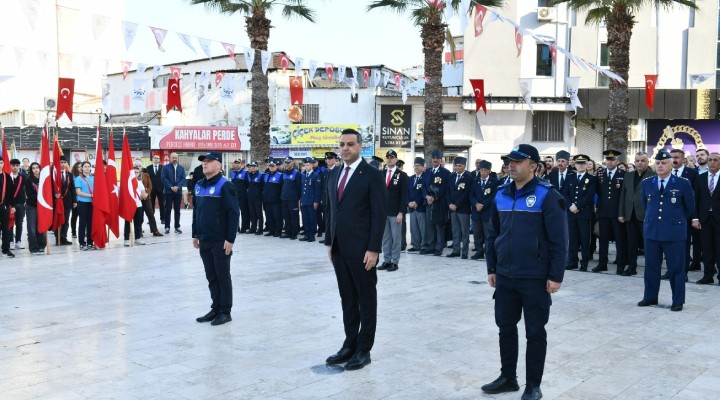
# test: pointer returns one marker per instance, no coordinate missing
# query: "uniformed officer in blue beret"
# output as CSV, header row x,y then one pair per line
x,y
669,203
216,212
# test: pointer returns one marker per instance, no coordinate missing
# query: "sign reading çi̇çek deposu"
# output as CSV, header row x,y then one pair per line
x,y
395,126
203,138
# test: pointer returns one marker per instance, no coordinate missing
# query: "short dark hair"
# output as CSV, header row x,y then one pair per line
x,y
705,150
350,131
677,151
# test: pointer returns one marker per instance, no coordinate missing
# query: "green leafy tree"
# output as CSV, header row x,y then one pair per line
x,y
428,16
257,26
619,19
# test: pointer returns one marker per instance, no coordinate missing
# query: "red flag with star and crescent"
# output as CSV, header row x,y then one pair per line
x,y
100,206
174,98
128,202
366,75
296,91
66,91
112,188
518,41
480,12
45,190
650,83
479,92
6,166
59,212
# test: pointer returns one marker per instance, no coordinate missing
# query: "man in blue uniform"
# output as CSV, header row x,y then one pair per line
x,y
330,160
309,200
609,186
290,196
239,179
214,226
525,272
669,203
579,193
459,206
272,186
254,196
481,197
437,182
416,206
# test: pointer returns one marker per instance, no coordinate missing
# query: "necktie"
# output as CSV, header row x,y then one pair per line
x,y
416,179
387,182
156,168
662,185
676,172
457,179
562,180
341,187
711,186
484,181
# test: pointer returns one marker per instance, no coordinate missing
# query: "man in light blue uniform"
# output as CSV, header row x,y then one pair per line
x,y
669,202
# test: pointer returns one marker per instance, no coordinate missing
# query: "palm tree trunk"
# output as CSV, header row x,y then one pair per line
x,y
619,31
258,30
433,39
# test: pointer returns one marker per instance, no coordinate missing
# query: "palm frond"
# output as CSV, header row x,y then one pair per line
x,y
223,6
451,43
396,5
670,3
580,5
420,15
597,15
298,10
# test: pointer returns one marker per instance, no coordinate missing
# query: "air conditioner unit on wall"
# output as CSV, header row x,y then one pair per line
x,y
546,13
50,103
34,118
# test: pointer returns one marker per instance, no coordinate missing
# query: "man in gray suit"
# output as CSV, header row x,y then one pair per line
x,y
631,211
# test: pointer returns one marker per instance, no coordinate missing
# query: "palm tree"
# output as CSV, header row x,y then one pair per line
x,y
258,27
428,16
619,19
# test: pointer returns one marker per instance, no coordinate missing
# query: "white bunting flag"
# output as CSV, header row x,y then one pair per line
x,y
30,8
227,91
572,83
299,66
140,70
99,25
312,68
249,55
106,90
376,77
526,91
353,72
187,40
404,95
265,57
242,80
463,14
190,80
697,79
205,46
129,30
342,71
156,71
204,78
138,96
86,65
353,84
386,79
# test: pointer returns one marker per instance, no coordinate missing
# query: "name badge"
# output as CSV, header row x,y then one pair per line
x,y
673,200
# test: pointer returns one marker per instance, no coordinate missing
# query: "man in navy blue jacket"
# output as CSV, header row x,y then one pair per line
x,y
437,182
481,197
417,190
309,200
290,196
459,205
526,252
173,179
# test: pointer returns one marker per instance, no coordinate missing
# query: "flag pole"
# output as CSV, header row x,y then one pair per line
x,y
132,234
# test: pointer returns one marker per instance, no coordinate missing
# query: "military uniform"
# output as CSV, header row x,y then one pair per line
x,y
239,179
309,199
417,190
254,196
609,187
580,190
482,192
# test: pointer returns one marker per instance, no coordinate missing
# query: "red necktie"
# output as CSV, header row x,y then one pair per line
x,y
387,183
341,187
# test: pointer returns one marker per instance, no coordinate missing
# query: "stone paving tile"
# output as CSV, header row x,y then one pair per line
x,y
119,324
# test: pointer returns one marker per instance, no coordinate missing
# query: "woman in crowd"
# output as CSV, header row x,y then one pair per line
x,y
74,216
84,184
622,166
631,167
36,241
690,161
591,167
541,171
147,202
138,219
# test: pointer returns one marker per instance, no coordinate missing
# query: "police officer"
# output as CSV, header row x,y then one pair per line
x,y
525,272
290,196
459,206
609,186
254,196
669,203
438,181
309,199
481,197
579,193
272,186
239,179
214,226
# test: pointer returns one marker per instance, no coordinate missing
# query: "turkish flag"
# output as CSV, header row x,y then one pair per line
x,y
66,91
397,81
480,12
174,98
518,41
128,202
125,68
329,69
230,48
59,213
112,188
479,92
219,76
553,53
650,83
6,165
296,90
45,190
284,61
366,75
176,72
100,206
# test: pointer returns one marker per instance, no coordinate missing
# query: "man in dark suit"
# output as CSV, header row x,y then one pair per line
x,y
154,170
69,199
173,179
438,181
459,206
579,193
417,206
631,211
357,200
558,176
396,182
609,185
707,209
679,169
669,204
481,197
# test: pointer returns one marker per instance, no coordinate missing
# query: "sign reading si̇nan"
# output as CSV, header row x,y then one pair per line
x,y
220,138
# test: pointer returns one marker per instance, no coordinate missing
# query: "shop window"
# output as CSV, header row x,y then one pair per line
x,y
548,126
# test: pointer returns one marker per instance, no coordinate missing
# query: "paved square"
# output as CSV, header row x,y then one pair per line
x,y
120,324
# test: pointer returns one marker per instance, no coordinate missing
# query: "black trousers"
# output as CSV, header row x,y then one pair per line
x,y
217,272
635,240
5,227
17,229
579,231
320,219
244,213
480,232
64,227
273,216
147,207
85,223
710,236
172,202
358,295
137,225
291,216
513,298
160,196
73,220
256,215
612,227
697,249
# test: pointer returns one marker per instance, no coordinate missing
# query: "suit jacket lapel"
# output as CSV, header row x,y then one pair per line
x,y
354,178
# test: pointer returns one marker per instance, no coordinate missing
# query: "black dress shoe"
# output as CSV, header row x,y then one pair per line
x,y
438,253
620,271
569,267
392,267
600,268
259,233
464,256
677,307
65,243
705,281
294,237
583,268
412,250
341,356
267,234
358,360
221,319
630,271
645,303
423,252
383,266
303,239
501,385
285,236
478,256
531,393
312,239
665,276
453,255
694,267
246,231
207,317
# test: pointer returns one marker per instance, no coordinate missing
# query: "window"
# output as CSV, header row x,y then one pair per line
x,y
449,116
544,3
544,64
548,126
161,81
311,113
603,61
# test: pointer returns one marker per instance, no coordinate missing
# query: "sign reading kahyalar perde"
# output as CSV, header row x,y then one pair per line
x,y
220,138
395,126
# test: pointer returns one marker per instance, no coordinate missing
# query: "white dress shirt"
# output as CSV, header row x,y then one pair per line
x,y
353,167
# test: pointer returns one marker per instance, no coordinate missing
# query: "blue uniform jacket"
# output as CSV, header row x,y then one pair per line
x,y
484,195
667,213
440,181
216,210
459,192
581,193
417,190
310,188
169,181
239,179
272,185
291,185
254,186
529,235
